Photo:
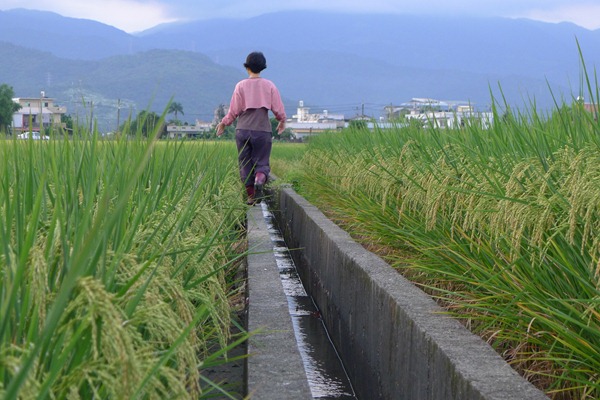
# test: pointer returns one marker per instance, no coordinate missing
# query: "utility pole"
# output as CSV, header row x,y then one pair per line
x,y
91,118
41,121
118,115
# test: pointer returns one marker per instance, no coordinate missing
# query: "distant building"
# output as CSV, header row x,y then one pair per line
x,y
303,115
440,114
36,113
592,108
304,124
189,131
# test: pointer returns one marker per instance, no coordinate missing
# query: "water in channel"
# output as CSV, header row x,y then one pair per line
x,y
326,375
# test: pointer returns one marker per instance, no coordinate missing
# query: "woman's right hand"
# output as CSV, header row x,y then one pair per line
x,y
220,128
280,127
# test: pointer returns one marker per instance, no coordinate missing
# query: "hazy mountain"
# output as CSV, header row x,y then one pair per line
x,y
145,80
341,62
65,37
480,45
331,60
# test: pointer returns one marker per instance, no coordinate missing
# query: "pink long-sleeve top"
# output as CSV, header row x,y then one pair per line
x,y
254,93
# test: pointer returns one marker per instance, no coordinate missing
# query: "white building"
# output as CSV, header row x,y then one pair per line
x,y
36,113
188,131
304,124
442,114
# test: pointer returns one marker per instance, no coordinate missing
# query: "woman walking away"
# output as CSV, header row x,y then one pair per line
x,y
250,104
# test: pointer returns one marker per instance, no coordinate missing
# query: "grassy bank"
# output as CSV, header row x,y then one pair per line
x,y
500,225
114,259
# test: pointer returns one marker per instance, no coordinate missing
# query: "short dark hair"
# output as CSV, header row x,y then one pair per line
x,y
256,62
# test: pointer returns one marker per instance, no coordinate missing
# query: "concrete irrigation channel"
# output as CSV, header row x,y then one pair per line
x,y
393,340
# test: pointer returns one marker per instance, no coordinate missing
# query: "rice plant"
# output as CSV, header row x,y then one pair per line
x,y
500,225
286,161
113,264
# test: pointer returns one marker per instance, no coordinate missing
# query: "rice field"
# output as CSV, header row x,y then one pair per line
x,y
501,226
115,265
116,256
286,161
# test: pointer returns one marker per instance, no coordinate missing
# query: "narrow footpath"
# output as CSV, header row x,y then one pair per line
x,y
292,352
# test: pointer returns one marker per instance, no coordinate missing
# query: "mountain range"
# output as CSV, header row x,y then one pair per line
x,y
345,63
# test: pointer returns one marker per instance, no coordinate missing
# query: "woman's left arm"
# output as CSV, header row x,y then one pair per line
x,y
277,108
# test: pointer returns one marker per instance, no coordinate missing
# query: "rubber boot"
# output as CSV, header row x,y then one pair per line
x,y
259,183
250,192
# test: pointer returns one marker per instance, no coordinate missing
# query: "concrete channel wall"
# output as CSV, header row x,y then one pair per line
x,y
395,341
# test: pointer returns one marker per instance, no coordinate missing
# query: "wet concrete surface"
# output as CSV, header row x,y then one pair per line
x,y
325,372
278,294
274,367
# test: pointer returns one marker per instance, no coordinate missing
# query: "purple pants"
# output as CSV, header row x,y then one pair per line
x,y
254,151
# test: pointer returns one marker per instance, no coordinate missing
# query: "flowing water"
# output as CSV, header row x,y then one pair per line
x,y
325,372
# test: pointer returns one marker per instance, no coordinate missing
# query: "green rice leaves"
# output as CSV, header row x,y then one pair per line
x,y
500,225
113,264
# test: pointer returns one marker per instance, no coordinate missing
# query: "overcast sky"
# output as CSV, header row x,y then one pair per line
x,y
137,15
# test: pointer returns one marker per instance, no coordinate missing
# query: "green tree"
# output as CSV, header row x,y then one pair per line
x,y
286,135
7,106
67,119
219,113
358,124
229,130
145,124
175,108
